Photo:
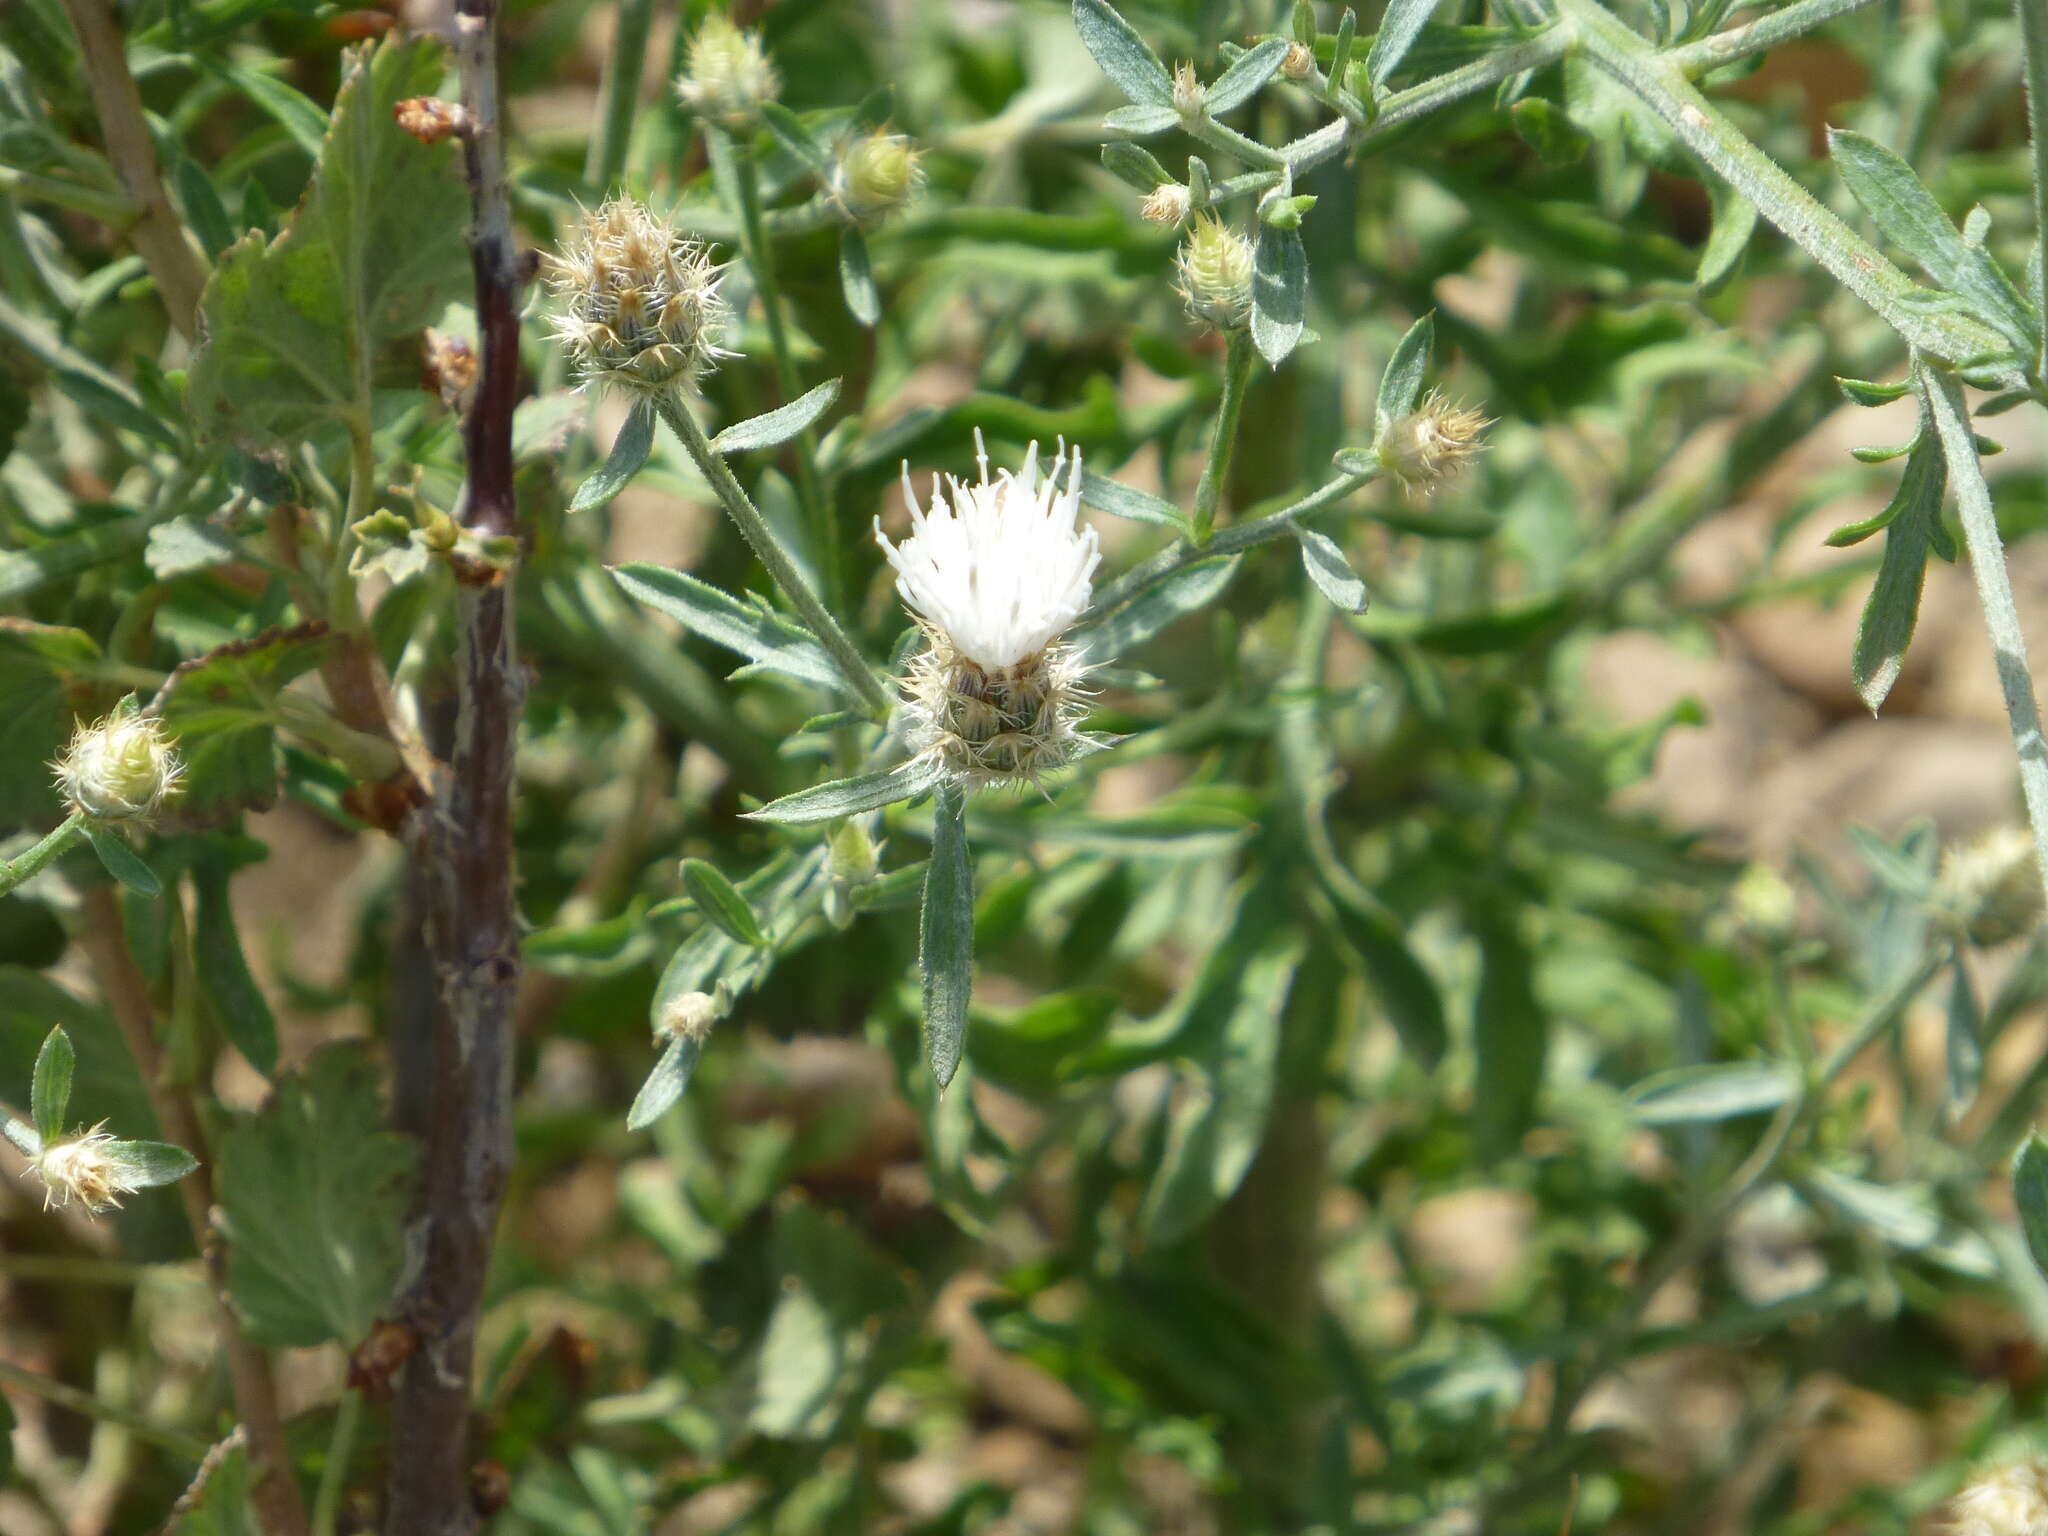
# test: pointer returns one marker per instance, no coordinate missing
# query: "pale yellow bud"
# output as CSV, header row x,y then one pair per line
x,y
1763,902
1216,274
1990,889
119,768
852,858
1431,443
726,74
1168,204
690,1016
878,174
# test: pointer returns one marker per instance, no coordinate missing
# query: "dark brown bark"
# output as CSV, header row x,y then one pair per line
x,y
465,873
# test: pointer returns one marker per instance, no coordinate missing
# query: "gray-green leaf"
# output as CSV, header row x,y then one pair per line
x,y
1279,293
1125,57
1249,71
665,1084
1712,1091
1401,383
629,451
721,903
946,936
761,637
121,861
1893,610
1156,607
49,1093
778,425
857,278
837,798
1331,572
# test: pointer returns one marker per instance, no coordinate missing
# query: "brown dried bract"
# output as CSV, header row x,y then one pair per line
x,y
376,1362
430,119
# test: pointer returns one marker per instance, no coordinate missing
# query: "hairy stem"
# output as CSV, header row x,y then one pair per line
x,y
33,861
105,941
1766,31
1237,372
465,871
754,528
170,253
2034,42
1944,399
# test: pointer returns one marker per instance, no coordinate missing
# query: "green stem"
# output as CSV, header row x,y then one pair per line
x,y
2034,44
622,71
1944,399
1237,372
63,1395
1662,86
1765,32
54,846
109,208
754,528
341,1444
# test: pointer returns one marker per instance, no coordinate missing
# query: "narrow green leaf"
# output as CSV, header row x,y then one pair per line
x,y
1707,1092
1247,73
121,861
1156,607
945,949
1406,990
763,638
49,1092
1331,571
1399,27
1106,495
2030,1196
1279,293
857,279
1870,393
1134,165
111,408
1734,222
666,1083
1340,52
1140,122
1892,612
721,903
848,797
1401,382
1882,455
629,451
778,425
146,1164
1904,1215
1304,23
1125,57
244,1014
296,112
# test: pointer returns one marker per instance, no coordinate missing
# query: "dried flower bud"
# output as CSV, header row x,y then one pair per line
x,y
120,768
726,74
2004,1501
1216,274
1430,444
1189,99
689,1017
448,366
877,174
82,1168
1168,204
995,573
430,119
1298,63
1990,889
643,311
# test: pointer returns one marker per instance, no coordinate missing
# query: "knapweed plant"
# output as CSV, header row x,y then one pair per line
x,y
836,768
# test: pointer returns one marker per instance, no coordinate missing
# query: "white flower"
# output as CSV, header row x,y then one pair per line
x,y
1002,568
80,1168
995,573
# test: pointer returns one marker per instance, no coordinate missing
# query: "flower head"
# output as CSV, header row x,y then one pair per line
x,y
119,768
1990,889
1215,264
82,1168
642,304
2005,1501
1298,63
877,174
1431,443
1188,95
726,74
995,573
1168,204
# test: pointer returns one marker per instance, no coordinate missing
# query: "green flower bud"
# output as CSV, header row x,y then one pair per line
x,y
1216,274
726,74
878,174
120,768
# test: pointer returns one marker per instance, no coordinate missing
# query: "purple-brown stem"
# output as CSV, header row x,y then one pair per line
x,y
464,873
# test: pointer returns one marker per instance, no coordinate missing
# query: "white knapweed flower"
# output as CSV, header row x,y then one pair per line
x,y
2005,1501
120,768
1432,443
1215,263
995,573
1990,889
1168,204
79,1168
642,310
726,74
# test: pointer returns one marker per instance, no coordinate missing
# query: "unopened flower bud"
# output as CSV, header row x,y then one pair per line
x,y
1216,274
120,768
1990,889
1764,903
1168,204
82,1168
852,858
689,1017
877,174
1298,63
726,74
1431,444
2005,1501
1189,98
642,305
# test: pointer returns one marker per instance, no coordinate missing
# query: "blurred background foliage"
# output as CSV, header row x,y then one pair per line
x,y
1303,1175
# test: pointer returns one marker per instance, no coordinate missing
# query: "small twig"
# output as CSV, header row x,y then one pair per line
x,y
161,239
105,941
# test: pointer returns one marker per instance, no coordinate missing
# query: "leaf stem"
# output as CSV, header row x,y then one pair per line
x,y
53,846
754,528
341,1444
191,1447
1766,31
1944,399
1237,371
